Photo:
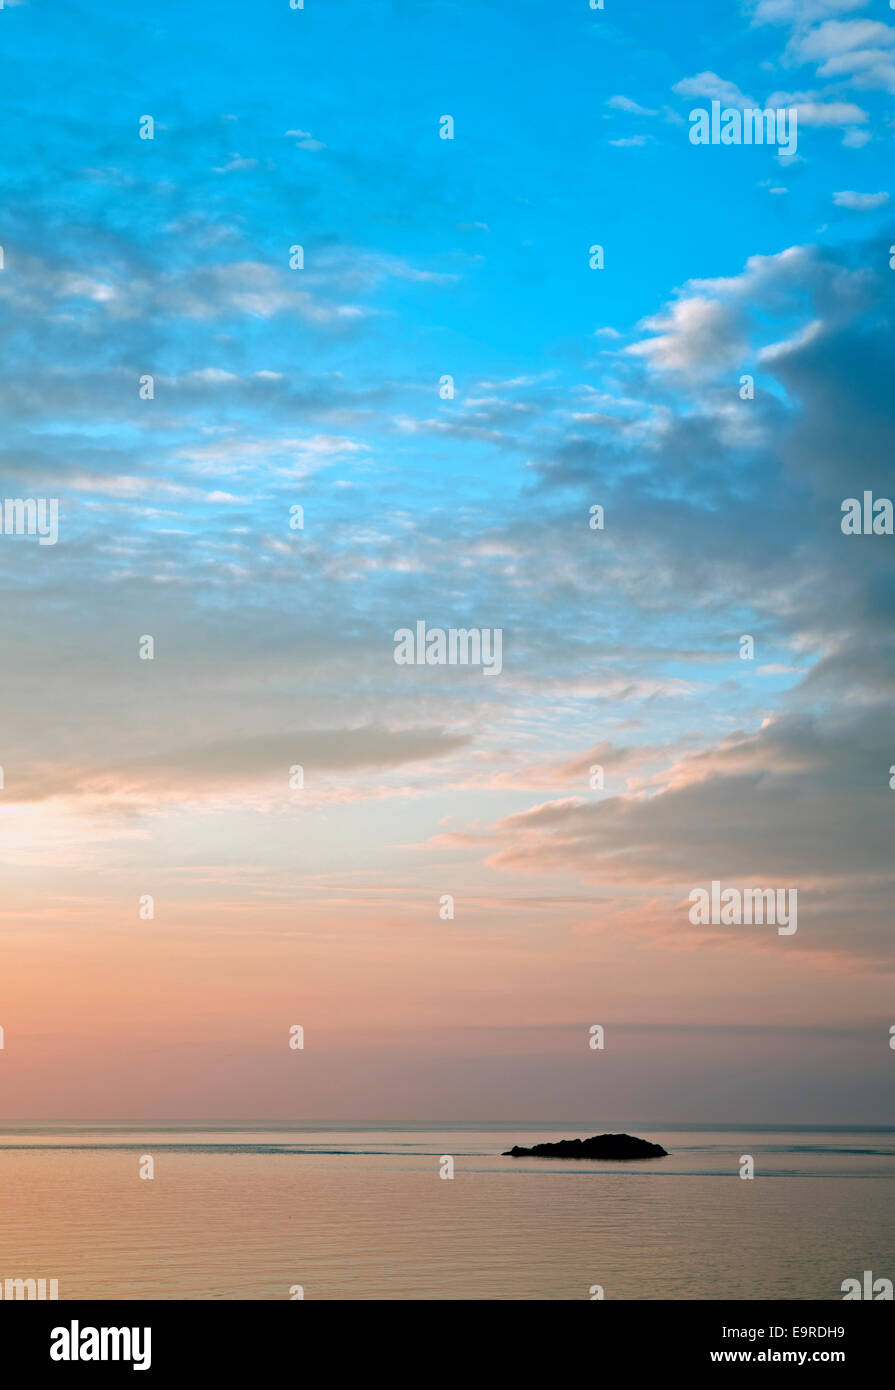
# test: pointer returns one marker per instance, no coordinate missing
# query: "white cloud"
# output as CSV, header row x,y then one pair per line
x,y
305,140
831,113
801,11
799,339
837,36
860,202
819,113
695,330
626,104
857,50
211,376
713,88
710,324
237,162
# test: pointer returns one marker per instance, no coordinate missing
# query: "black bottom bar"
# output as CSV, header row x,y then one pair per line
x,y
227,1340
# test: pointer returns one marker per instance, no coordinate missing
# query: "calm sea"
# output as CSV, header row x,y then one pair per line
x,y
363,1213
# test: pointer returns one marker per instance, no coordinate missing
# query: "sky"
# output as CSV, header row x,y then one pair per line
x,y
321,387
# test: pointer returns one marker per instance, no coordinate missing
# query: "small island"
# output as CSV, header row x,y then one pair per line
x,y
616,1146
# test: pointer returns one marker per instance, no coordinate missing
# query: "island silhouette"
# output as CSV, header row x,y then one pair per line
x,y
616,1146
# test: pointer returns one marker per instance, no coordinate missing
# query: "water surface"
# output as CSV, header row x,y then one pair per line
x,y
357,1213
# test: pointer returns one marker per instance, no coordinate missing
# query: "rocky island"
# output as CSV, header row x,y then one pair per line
x,y
620,1146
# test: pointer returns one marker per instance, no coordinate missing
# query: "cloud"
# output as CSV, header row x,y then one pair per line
x,y
829,113
856,50
41,289
835,37
706,329
305,140
235,764
252,288
860,202
814,112
761,808
621,103
693,332
802,12
712,88
236,163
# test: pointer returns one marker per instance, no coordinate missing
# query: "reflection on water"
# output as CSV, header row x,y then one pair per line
x,y
364,1214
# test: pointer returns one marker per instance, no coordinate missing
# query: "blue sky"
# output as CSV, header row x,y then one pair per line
x,y
573,387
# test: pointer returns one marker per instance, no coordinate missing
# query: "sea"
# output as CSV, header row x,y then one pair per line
x,y
397,1212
